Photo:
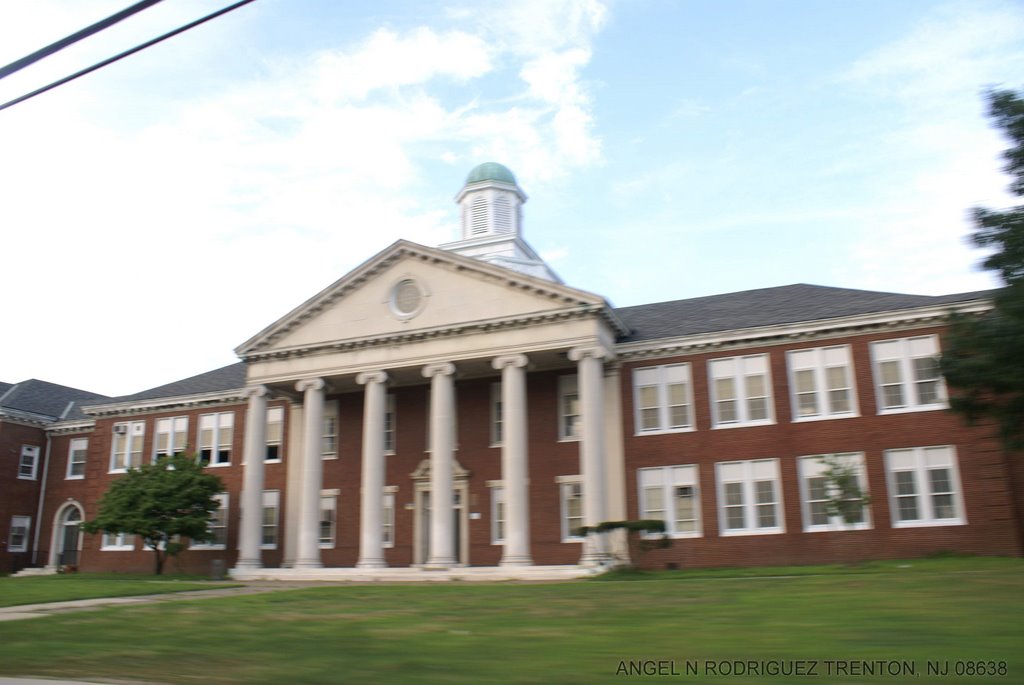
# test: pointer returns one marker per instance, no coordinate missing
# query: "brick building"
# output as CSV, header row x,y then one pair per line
x,y
461,406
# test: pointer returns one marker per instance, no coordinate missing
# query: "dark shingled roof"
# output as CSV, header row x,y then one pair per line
x,y
225,378
768,307
47,400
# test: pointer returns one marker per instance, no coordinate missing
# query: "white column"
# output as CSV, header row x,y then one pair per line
x,y
312,473
514,456
442,447
371,529
592,451
251,530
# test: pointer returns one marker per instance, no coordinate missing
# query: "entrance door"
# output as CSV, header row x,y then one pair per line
x,y
69,537
423,517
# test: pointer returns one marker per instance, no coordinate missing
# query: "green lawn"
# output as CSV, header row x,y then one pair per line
x,y
950,611
61,588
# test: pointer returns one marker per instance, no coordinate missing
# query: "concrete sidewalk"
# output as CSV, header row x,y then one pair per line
x,y
25,611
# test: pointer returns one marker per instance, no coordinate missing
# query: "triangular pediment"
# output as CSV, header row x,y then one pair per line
x,y
409,290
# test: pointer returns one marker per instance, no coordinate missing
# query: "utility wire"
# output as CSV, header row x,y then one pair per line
x,y
126,53
20,64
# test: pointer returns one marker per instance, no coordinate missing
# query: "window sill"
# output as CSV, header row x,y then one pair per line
x,y
566,540
911,410
663,431
837,528
575,439
208,548
825,417
216,466
123,548
21,477
742,533
742,424
74,477
929,524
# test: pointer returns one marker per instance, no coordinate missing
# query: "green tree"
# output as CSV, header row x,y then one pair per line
x,y
983,361
843,495
160,501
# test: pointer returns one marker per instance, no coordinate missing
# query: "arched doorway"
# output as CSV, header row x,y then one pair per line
x,y
67,535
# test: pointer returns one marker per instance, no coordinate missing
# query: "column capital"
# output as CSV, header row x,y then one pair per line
x,y
442,369
592,351
256,391
372,377
515,360
310,384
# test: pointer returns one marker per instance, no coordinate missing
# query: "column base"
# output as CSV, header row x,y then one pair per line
x,y
310,563
517,561
249,563
372,563
441,563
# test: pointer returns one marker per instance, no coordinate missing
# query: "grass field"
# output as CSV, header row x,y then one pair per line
x,y
40,589
954,613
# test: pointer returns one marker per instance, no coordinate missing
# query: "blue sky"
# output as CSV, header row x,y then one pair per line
x,y
159,212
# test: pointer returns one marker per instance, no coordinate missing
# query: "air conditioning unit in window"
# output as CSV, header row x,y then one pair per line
x,y
120,429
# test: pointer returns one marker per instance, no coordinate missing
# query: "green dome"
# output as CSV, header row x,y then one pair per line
x,y
490,171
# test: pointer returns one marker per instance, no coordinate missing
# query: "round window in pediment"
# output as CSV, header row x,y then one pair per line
x,y
407,298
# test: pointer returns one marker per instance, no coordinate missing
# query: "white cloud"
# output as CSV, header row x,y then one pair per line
x,y
188,229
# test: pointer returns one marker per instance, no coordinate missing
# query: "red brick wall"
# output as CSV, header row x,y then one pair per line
x,y
18,497
988,499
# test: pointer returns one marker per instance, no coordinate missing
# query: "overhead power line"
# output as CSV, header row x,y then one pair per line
x,y
126,53
20,64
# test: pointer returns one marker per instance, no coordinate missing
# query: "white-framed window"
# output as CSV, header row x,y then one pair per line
x,y
497,416
117,542
126,446
271,509
671,494
571,496
17,538
569,424
78,451
329,436
389,424
741,391
28,464
663,399
275,434
328,518
749,497
497,515
170,437
907,374
216,433
821,383
218,525
924,487
388,517
816,492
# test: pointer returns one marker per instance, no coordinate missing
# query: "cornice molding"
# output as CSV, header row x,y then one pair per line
x,y
256,347
68,427
167,403
26,418
469,327
782,334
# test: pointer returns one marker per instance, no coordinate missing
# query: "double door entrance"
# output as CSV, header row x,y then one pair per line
x,y
460,522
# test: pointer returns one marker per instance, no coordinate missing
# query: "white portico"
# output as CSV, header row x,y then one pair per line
x,y
414,316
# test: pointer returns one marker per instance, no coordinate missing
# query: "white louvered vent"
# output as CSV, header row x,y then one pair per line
x,y
502,214
478,220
